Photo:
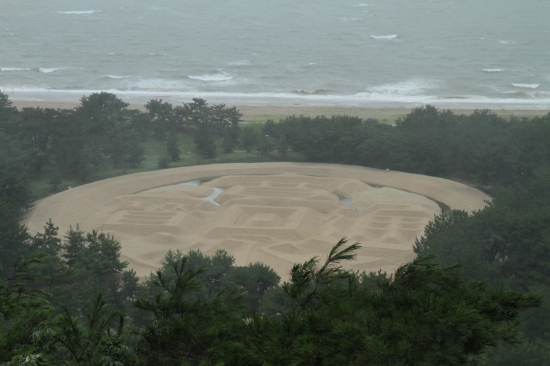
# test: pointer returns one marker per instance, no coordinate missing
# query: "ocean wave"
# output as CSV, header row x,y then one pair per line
x,y
458,97
529,86
397,98
159,85
536,95
239,63
403,88
470,101
289,99
157,54
518,94
391,36
312,91
361,5
492,70
114,76
24,89
80,12
175,85
48,71
222,76
13,69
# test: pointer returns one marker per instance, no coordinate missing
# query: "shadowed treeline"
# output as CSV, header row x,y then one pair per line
x,y
100,138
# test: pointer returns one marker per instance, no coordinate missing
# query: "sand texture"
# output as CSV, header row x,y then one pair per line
x,y
260,113
275,213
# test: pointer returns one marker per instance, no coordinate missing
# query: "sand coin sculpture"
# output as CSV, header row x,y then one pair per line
x,y
277,213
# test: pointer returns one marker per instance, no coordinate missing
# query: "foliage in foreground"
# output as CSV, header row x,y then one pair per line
x,y
200,309
426,315
505,244
326,315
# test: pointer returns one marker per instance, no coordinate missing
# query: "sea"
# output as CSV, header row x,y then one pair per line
x,y
378,53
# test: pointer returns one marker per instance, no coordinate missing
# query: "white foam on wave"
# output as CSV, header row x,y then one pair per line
x,y
526,93
361,5
24,89
493,70
312,91
80,12
528,86
389,37
159,85
13,69
49,71
517,93
289,99
221,76
520,94
239,63
114,76
402,88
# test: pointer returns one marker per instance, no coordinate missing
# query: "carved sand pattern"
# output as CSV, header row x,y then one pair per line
x,y
265,215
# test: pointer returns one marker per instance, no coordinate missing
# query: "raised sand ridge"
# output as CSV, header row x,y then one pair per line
x,y
275,213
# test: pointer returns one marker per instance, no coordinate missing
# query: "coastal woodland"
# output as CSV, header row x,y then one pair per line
x,y
478,292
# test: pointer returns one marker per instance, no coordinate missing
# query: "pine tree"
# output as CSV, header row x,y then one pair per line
x,y
249,139
426,315
173,148
205,141
74,246
188,330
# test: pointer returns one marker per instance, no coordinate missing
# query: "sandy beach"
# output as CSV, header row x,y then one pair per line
x,y
258,113
275,213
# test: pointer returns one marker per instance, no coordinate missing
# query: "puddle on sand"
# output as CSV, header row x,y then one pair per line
x,y
344,201
191,183
348,203
212,196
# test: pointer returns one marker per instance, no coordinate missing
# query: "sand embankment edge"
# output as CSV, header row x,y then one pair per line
x,y
78,204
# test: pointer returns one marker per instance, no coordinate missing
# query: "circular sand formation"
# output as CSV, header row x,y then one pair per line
x,y
275,213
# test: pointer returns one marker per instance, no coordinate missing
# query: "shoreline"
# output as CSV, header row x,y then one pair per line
x,y
261,113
